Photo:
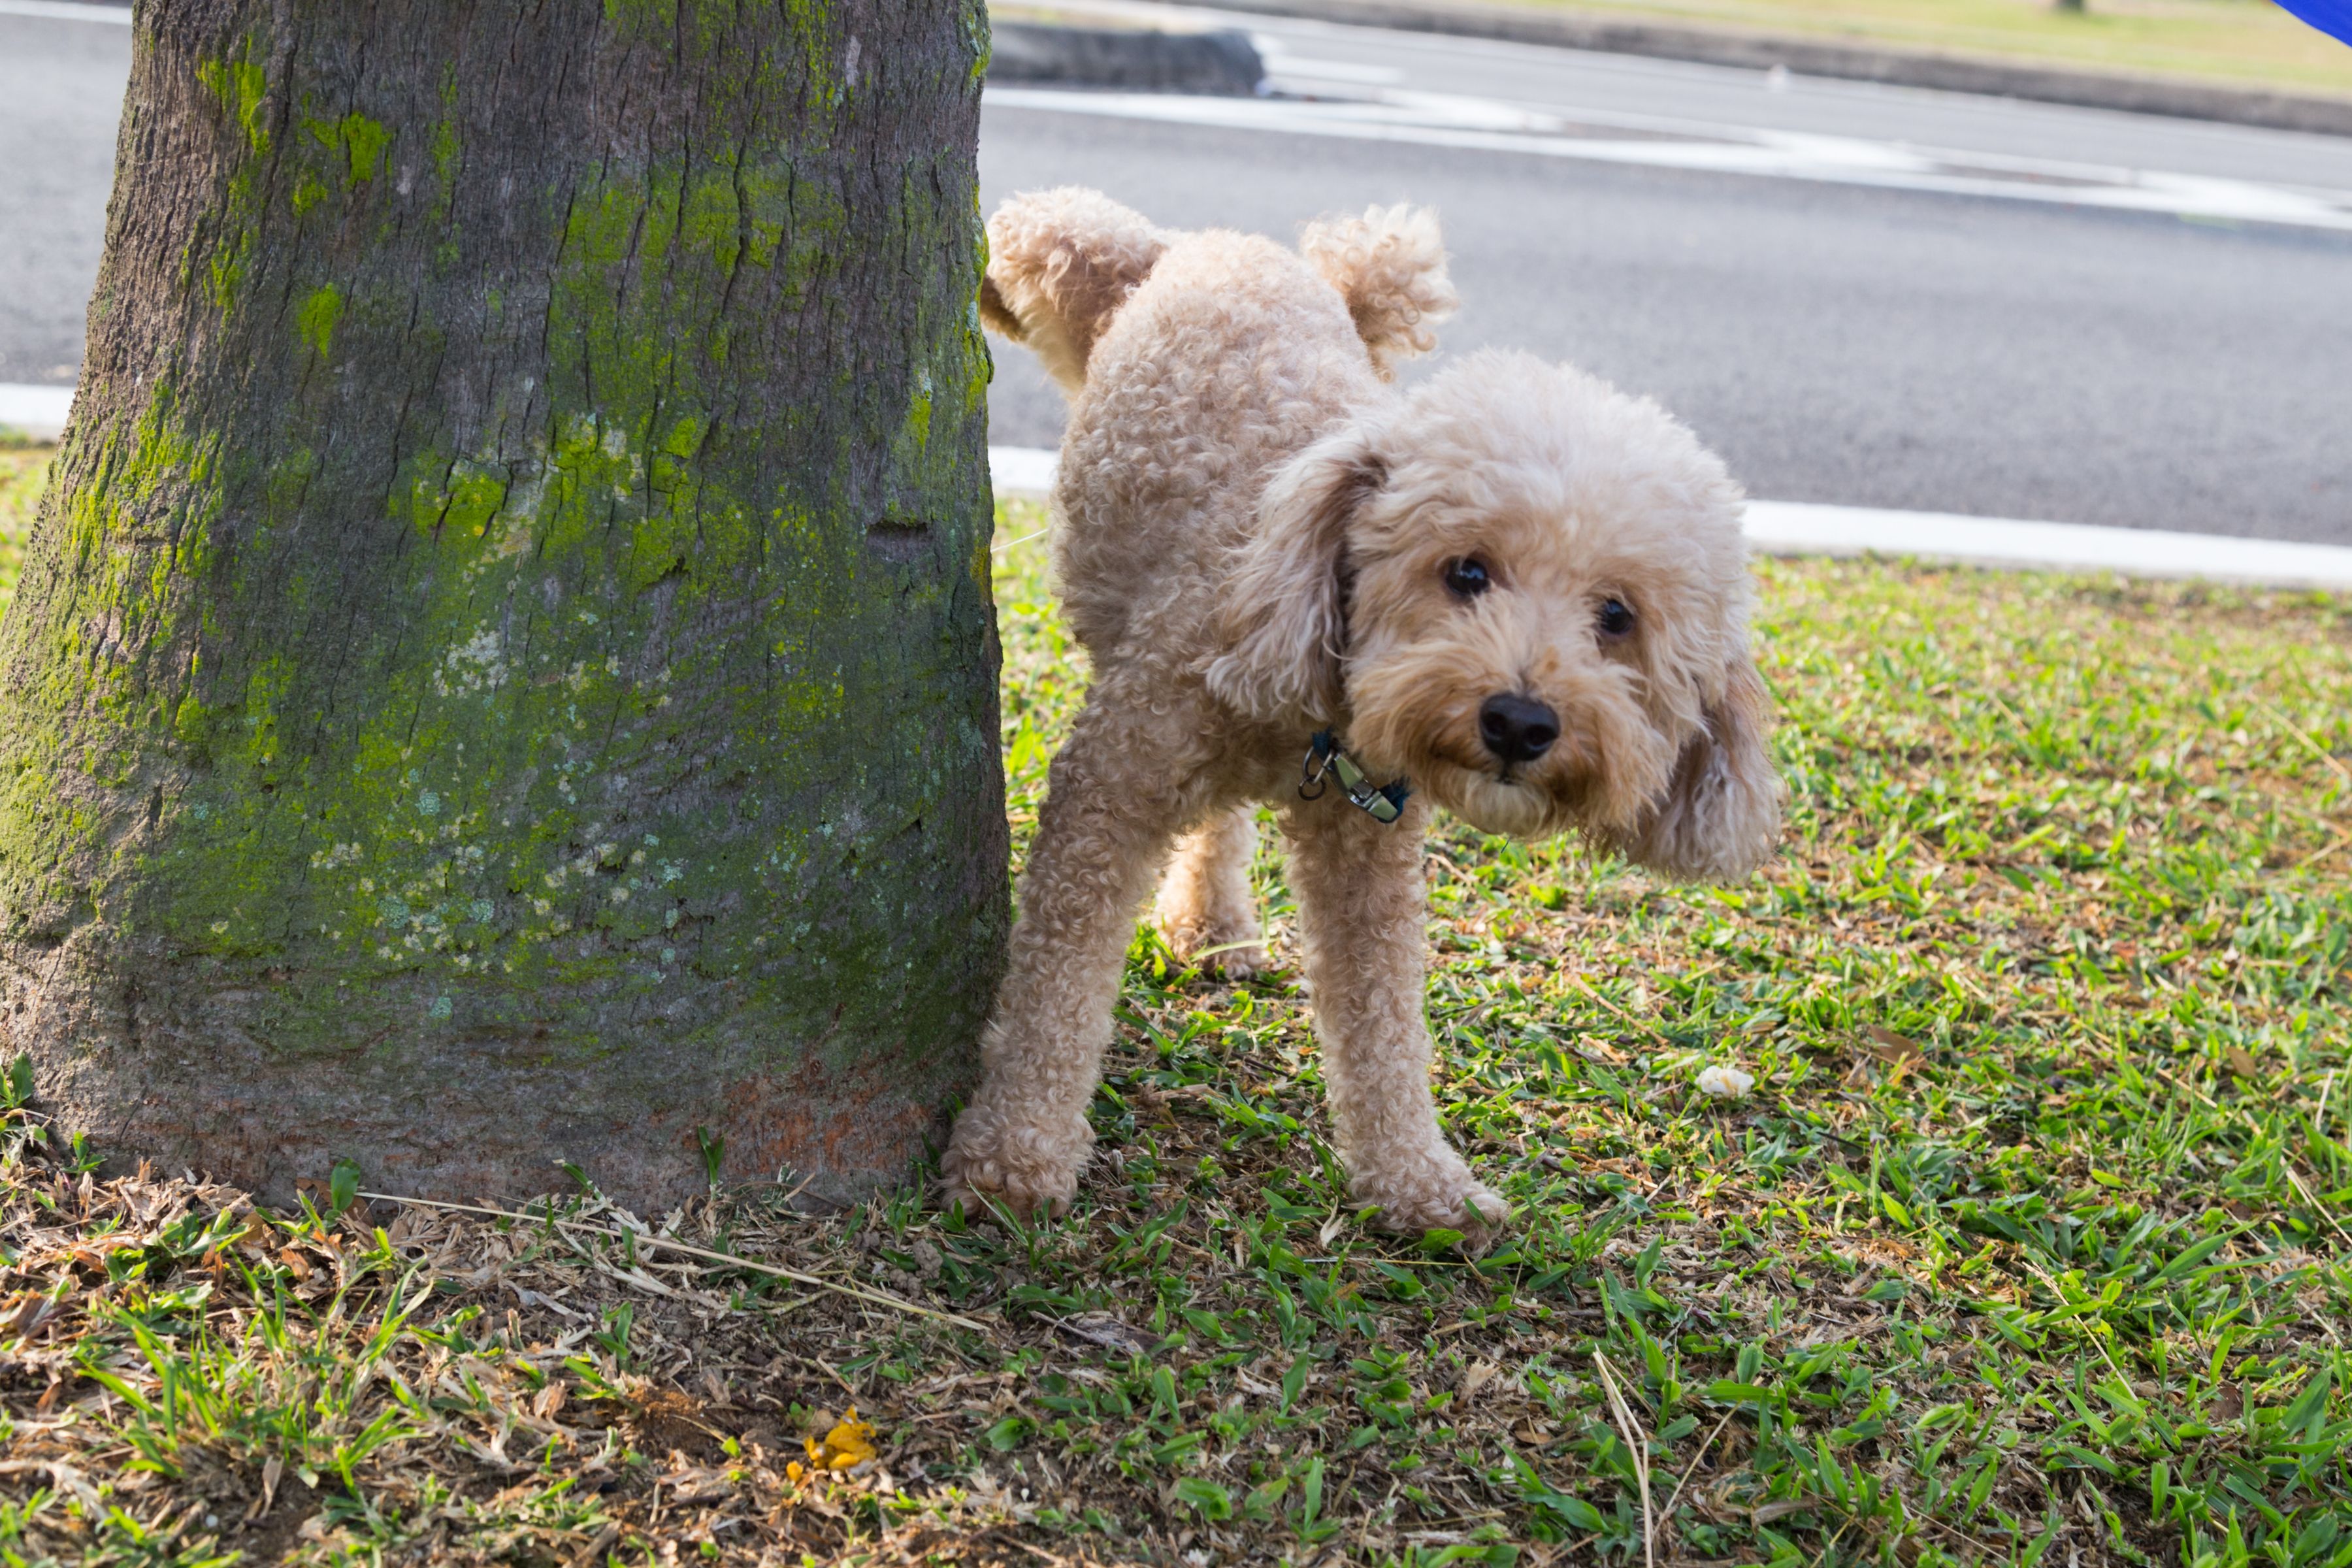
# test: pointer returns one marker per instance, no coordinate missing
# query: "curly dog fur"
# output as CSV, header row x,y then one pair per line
x,y
1257,537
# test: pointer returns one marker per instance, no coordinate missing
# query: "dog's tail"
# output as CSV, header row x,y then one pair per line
x,y
1060,264
1389,265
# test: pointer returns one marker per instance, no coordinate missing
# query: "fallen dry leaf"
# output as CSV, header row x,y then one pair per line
x,y
32,1310
1102,1329
1893,1048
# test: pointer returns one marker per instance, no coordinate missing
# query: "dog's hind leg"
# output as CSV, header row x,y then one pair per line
x,y
1106,825
1361,917
1206,908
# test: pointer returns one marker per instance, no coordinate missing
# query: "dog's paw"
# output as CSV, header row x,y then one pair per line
x,y
1229,954
994,1162
1443,1199
1239,961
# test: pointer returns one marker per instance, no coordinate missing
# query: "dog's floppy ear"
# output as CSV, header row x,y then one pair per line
x,y
1720,815
1283,628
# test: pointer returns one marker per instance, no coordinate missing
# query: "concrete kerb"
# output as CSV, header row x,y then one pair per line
x,y
35,413
1804,528
1820,57
1142,59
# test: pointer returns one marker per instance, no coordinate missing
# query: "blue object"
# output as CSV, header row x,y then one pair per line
x,y
2333,18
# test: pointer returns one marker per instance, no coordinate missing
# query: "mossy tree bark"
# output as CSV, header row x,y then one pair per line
x,y
506,672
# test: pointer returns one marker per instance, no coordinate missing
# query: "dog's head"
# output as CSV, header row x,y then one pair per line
x,y
1527,593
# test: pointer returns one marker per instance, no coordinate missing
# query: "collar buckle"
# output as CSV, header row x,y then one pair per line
x,y
1383,803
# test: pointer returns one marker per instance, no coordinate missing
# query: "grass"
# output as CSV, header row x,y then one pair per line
x,y
2245,42
22,470
2027,1246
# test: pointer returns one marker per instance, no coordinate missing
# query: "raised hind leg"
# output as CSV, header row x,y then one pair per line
x,y
1206,908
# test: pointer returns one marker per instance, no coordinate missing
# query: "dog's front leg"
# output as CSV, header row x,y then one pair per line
x,y
1108,816
1362,915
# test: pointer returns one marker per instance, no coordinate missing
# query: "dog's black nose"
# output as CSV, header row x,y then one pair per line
x,y
1516,729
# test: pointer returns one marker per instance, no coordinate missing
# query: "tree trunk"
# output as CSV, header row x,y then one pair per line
x,y
506,672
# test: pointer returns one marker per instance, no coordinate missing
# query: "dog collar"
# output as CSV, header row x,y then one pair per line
x,y
1385,803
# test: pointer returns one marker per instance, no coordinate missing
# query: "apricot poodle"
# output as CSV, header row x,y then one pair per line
x,y
1511,590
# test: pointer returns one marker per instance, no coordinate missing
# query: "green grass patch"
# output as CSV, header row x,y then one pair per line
x,y
23,472
2028,1246
2246,43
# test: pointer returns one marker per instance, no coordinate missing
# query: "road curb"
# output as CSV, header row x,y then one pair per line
x,y
1222,60
1804,528
1810,57
35,413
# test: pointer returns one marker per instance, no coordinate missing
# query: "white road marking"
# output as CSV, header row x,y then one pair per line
x,y
38,412
1283,67
1447,119
67,11
1806,528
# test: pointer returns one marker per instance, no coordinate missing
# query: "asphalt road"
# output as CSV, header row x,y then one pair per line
x,y
60,97
1848,342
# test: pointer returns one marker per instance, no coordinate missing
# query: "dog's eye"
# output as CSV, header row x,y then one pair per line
x,y
1616,619
1467,577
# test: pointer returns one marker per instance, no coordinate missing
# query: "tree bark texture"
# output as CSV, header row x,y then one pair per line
x,y
505,673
